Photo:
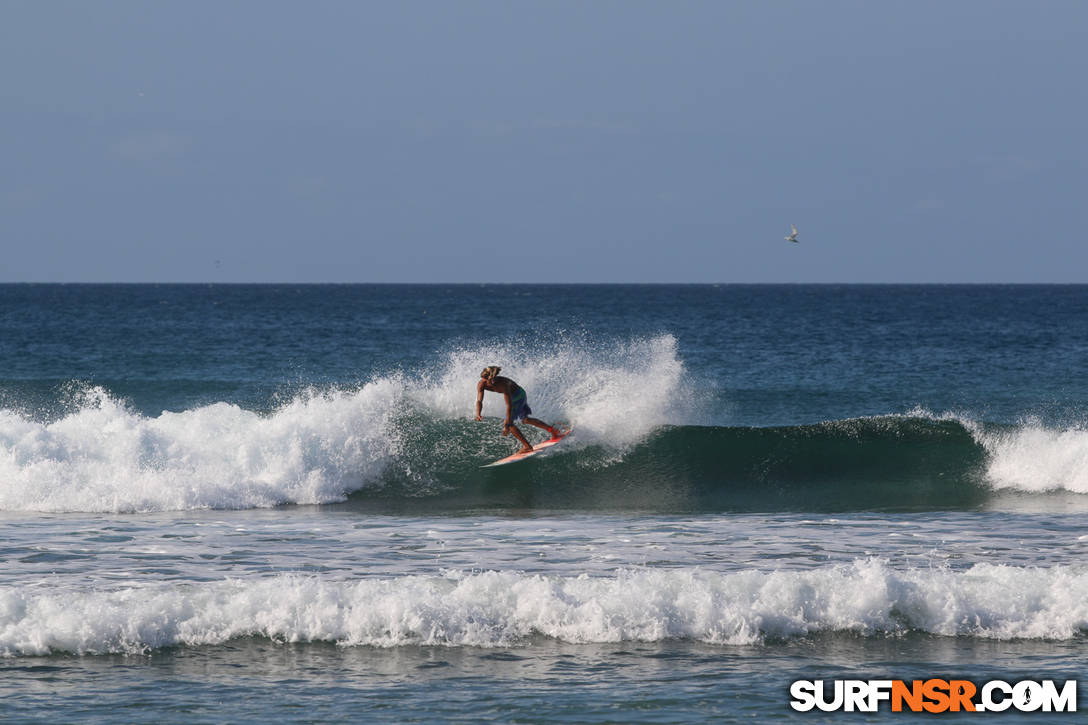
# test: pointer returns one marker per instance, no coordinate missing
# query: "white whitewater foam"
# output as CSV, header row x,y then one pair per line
x,y
504,608
105,457
1034,458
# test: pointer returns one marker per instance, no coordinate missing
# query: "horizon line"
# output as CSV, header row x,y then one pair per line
x,y
551,284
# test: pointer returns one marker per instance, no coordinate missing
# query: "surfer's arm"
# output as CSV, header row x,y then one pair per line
x,y
479,401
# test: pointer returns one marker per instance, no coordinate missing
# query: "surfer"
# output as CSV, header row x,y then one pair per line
x,y
517,405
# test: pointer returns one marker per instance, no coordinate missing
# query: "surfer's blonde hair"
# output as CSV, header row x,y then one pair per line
x,y
490,372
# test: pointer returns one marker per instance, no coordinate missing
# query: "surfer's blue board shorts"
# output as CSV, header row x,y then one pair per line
x,y
519,406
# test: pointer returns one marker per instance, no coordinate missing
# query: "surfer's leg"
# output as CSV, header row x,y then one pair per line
x,y
554,432
525,445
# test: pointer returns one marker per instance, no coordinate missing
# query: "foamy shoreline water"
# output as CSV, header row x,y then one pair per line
x,y
500,609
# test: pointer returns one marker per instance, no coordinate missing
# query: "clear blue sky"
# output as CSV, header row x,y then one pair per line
x,y
506,141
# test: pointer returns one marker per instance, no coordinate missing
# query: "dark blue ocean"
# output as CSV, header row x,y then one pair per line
x,y
233,503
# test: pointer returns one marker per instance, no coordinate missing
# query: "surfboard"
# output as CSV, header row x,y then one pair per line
x,y
537,448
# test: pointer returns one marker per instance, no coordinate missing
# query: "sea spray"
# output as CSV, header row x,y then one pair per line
x,y
614,392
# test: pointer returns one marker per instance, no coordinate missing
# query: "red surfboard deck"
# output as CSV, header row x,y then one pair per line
x,y
537,448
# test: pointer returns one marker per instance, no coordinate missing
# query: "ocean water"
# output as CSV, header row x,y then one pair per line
x,y
242,503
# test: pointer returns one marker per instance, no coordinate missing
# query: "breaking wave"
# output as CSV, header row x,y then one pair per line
x,y
410,437
489,609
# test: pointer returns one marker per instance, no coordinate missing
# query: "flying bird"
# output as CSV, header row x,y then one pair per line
x,y
792,237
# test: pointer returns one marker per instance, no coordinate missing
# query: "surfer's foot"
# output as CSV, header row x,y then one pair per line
x,y
553,432
526,449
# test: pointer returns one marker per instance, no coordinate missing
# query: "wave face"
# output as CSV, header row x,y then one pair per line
x,y
488,609
409,438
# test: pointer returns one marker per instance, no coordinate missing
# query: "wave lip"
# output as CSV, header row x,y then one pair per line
x,y
493,609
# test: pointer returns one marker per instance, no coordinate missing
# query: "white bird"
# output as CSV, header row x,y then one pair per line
x,y
792,237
